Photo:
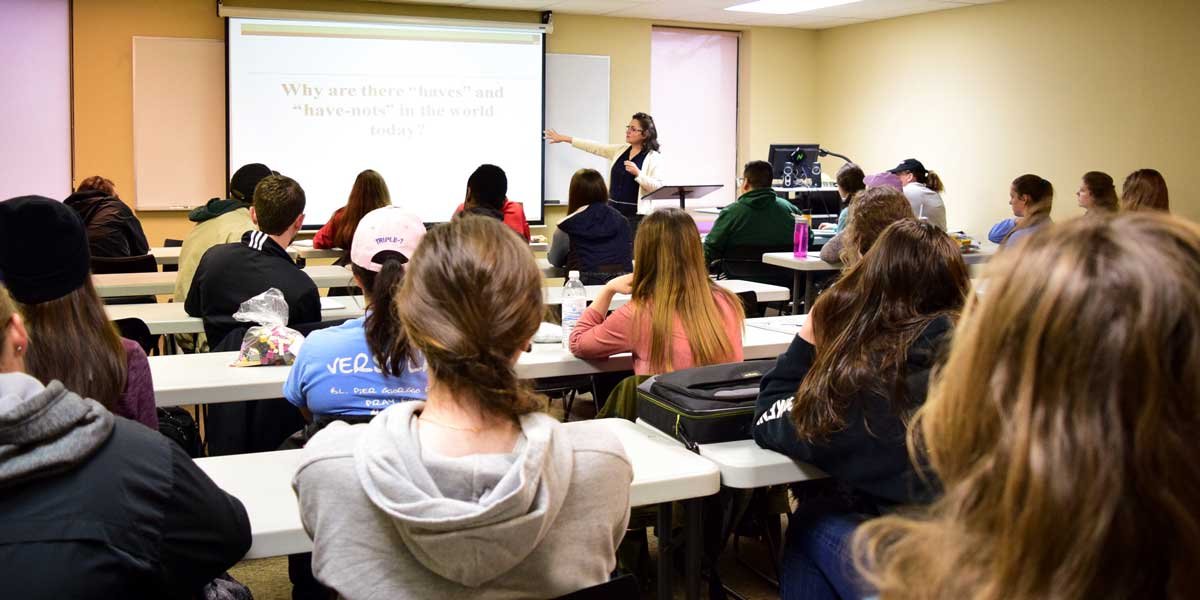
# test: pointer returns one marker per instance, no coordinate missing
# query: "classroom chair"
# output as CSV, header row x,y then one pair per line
x,y
745,263
146,263
618,588
170,243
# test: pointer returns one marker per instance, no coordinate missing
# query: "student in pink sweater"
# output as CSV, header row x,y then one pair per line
x,y
678,317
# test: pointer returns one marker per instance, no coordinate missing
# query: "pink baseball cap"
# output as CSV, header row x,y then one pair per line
x,y
387,229
883,179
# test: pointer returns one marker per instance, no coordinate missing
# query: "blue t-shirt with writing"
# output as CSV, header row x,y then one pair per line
x,y
336,374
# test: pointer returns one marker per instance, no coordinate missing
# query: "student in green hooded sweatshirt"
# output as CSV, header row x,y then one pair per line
x,y
220,221
758,218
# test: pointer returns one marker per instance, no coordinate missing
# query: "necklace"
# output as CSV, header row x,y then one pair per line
x,y
425,419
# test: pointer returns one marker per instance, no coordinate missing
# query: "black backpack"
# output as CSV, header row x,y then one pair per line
x,y
704,405
178,424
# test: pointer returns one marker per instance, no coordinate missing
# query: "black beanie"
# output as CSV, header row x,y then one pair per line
x,y
245,179
43,249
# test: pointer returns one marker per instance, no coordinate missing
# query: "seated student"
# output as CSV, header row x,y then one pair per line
x,y
594,238
95,506
486,189
923,188
230,274
850,182
871,213
370,192
1062,429
757,218
1030,197
349,371
678,318
112,229
218,222
1097,194
1145,189
474,492
840,397
74,342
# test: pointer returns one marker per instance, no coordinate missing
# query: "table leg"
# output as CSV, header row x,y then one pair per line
x,y
797,285
665,551
691,515
810,291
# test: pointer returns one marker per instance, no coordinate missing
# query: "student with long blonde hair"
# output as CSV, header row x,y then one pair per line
x,y
872,211
840,397
678,318
1063,429
370,192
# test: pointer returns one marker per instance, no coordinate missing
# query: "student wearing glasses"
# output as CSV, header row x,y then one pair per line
x,y
634,166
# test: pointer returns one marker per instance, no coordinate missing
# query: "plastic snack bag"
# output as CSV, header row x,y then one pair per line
x,y
271,342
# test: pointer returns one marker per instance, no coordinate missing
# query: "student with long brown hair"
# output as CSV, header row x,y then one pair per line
x,y
96,506
1097,194
1063,429
45,262
1030,198
473,492
678,318
840,397
594,238
1145,189
370,192
872,211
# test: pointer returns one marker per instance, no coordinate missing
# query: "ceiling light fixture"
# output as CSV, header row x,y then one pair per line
x,y
787,7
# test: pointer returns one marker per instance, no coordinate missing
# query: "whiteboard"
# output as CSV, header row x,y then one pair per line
x,y
178,122
577,103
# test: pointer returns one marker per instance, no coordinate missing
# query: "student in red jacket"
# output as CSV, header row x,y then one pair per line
x,y
487,189
370,192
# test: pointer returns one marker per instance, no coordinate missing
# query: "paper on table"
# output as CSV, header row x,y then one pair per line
x,y
328,303
789,324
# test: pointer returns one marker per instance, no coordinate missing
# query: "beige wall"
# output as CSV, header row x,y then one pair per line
x,y
103,29
1053,87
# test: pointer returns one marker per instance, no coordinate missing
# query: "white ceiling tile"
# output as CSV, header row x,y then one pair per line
x,y
655,10
594,7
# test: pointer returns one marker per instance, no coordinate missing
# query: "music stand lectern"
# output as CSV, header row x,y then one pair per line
x,y
683,192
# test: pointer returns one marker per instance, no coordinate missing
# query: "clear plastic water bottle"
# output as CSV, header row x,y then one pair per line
x,y
574,302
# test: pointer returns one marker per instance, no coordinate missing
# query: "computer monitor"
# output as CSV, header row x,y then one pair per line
x,y
795,165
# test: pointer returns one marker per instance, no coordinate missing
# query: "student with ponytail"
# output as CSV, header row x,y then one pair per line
x,y
351,372
923,188
1031,198
474,492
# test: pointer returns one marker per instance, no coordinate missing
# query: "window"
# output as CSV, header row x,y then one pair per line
x,y
693,97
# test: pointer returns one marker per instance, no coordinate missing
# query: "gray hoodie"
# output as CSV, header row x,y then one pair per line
x,y
45,429
391,520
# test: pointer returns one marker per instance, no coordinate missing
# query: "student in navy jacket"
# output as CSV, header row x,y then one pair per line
x,y
595,238
840,396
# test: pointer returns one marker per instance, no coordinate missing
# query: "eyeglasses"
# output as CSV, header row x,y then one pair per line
x,y
631,128
741,181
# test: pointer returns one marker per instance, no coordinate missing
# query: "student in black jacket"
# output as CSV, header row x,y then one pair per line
x,y
594,238
840,396
113,230
96,506
230,274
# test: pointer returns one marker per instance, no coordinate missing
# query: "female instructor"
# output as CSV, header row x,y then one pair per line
x,y
633,166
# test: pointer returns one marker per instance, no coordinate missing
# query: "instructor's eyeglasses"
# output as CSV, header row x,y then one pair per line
x,y
630,128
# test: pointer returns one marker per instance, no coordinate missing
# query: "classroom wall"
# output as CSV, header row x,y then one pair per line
x,y
771,109
986,93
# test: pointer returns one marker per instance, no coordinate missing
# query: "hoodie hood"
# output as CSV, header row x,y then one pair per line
x,y
469,519
46,430
91,202
215,208
760,198
598,222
